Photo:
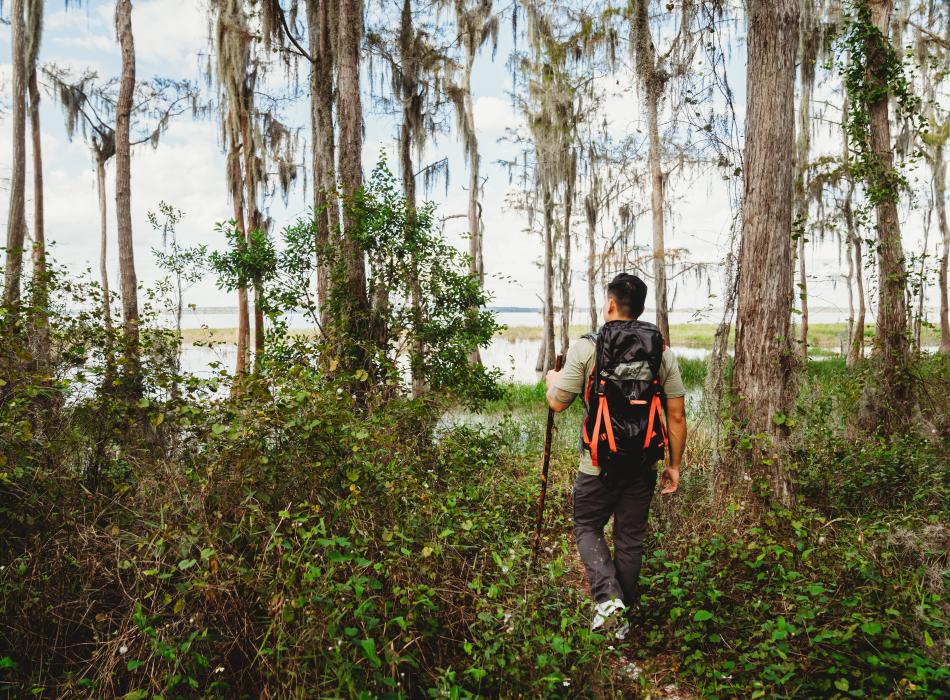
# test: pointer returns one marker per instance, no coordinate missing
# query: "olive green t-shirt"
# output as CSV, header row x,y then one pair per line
x,y
578,365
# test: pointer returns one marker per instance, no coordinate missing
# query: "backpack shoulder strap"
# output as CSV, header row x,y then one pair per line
x,y
592,337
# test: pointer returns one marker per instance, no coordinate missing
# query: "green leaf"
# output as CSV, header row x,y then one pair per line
x,y
369,649
136,695
871,628
186,564
702,616
7,662
218,428
133,664
842,685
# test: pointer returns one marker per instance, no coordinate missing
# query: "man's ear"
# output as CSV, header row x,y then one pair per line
x,y
610,307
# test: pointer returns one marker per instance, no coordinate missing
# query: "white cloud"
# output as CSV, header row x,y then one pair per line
x,y
493,116
171,33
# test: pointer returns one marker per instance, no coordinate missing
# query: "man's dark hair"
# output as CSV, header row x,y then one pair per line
x,y
629,292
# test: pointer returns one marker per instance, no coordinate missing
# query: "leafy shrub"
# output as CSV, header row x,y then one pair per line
x,y
290,544
802,606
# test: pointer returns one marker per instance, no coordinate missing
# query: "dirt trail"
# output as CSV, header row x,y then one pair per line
x,y
653,678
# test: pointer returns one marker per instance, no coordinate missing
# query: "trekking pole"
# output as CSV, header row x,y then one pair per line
x,y
544,466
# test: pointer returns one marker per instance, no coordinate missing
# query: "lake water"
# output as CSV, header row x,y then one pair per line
x,y
516,359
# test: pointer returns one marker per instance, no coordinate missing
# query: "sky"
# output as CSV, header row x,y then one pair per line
x,y
187,169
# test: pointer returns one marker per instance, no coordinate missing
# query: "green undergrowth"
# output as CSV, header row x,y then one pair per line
x,y
291,543
290,546
844,595
797,604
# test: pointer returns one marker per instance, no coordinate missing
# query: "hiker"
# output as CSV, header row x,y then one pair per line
x,y
622,439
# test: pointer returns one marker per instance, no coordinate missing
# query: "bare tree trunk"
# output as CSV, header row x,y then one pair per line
x,y
653,79
235,184
566,254
254,224
714,388
856,338
548,342
476,262
809,31
350,121
856,352
940,195
477,265
803,295
466,111
849,280
409,189
922,277
889,402
590,209
657,200
123,179
103,243
762,379
16,219
40,281
320,29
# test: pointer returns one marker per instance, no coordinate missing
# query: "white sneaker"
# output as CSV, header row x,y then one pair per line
x,y
609,616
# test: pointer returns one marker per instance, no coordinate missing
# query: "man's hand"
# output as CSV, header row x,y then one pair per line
x,y
676,425
669,480
550,378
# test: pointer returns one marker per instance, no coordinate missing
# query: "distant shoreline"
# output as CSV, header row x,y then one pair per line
x,y
691,335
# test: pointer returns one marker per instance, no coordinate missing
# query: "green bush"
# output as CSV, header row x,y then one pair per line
x,y
293,545
799,605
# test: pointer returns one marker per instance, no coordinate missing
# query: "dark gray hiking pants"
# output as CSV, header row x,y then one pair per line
x,y
595,500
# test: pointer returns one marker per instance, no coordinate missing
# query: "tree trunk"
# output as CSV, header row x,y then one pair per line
x,y
320,29
856,338
849,280
856,352
40,281
103,244
470,138
566,254
253,221
922,278
940,194
653,81
16,219
803,295
409,190
889,401
477,265
590,209
235,184
350,121
123,179
809,30
762,378
657,200
548,342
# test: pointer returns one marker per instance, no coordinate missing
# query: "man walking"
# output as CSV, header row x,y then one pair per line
x,y
622,437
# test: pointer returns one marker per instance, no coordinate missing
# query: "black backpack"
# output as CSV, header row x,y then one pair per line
x,y
623,428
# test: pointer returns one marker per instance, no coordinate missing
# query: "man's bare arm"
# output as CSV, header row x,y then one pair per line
x,y
676,427
558,399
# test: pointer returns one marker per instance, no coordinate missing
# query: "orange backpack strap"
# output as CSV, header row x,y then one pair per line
x,y
608,426
595,441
